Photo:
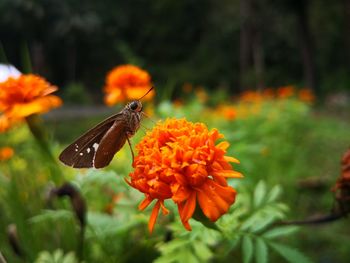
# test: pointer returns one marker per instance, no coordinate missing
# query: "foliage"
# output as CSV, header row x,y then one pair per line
x,y
249,225
278,144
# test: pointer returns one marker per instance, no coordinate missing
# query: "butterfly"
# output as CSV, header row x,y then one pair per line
x,y
97,147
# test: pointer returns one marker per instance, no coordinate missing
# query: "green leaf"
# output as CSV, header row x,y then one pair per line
x,y
259,193
202,251
274,193
176,244
290,254
261,251
264,221
280,231
247,249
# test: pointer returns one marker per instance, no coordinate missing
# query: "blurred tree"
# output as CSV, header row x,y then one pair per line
x,y
300,8
229,43
347,28
251,46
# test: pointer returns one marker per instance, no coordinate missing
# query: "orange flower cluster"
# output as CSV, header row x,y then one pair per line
x,y
227,111
285,92
23,96
127,82
306,95
180,160
6,153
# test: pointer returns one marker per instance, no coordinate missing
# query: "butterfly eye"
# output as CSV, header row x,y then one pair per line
x,y
134,105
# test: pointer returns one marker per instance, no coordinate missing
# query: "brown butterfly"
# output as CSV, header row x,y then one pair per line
x,y
97,147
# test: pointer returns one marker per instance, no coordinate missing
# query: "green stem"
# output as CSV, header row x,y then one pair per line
x,y
35,126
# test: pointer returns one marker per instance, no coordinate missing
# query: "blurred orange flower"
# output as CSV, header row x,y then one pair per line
x,y
227,111
127,82
201,94
6,153
285,92
26,95
251,96
180,160
306,95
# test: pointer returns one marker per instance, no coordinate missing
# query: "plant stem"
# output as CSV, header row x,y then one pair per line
x,y
35,125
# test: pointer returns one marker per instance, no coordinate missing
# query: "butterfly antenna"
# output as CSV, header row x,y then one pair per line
x,y
152,120
147,92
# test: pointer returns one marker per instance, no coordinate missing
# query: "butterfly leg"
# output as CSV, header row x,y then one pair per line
x,y
132,152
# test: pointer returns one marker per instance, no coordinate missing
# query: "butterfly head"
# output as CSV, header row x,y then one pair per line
x,y
135,106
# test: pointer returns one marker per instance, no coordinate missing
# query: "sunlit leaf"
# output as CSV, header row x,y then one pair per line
x,y
247,249
261,251
280,231
290,254
259,193
274,193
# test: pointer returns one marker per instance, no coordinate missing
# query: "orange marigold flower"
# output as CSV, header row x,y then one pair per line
x,y
26,95
285,92
127,82
6,153
227,111
306,95
180,160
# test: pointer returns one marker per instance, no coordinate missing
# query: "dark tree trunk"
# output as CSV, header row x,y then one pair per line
x,y
38,59
257,45
306,44
245,40
251,48
347,28
71,61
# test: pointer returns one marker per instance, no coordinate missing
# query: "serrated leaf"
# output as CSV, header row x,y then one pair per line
x,y
189,257
290,254
202,251
259,194
247,249
274,193
261,251
262,223
173,245
280,231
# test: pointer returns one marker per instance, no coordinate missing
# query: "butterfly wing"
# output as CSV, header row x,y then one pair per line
x,y
81,153
112,142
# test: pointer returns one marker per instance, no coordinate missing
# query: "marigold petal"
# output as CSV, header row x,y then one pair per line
x,y
231,159
223,145
228,174
181,194
215,200
145,203
113,97
188,207
153,218
165,210
138,92
39,105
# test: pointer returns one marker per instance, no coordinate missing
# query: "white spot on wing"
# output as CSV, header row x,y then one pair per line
x,y
81,154
76,150
95,146
88,150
